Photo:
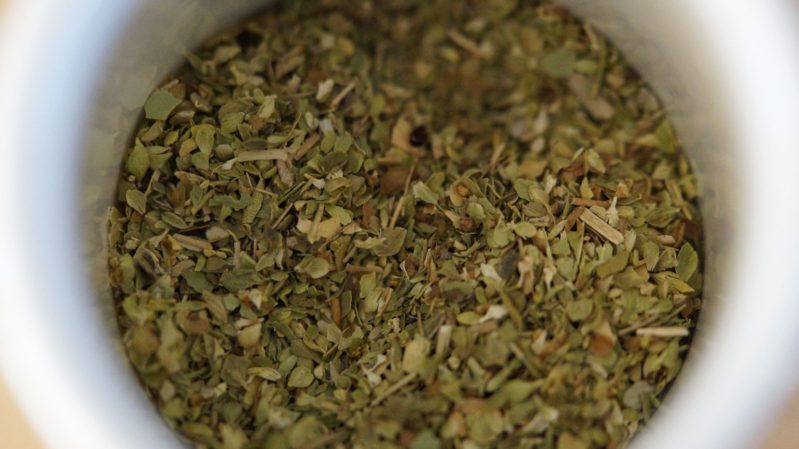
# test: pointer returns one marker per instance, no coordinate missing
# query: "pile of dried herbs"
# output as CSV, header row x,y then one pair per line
x,y
406,224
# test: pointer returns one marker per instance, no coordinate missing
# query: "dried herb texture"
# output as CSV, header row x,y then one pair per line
x,y
406,224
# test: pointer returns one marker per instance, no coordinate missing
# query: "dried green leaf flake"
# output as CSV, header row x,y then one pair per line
x,y
160,104
204,135
138,161
423,193
687,262
499,237
315,267
426,439
136,200
300,377
615,264
391,242
579,310
415,355
559,63
570,441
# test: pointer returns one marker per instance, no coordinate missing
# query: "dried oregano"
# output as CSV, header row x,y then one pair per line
x,y
406,224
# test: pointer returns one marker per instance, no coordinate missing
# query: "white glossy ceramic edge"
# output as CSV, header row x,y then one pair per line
x,y
734,66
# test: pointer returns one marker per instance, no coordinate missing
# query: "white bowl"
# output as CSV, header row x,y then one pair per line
x,y
74,75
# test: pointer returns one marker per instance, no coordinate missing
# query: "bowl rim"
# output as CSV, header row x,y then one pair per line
x,y
711,408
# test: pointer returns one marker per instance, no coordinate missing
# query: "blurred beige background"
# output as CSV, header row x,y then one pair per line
x,y
15,433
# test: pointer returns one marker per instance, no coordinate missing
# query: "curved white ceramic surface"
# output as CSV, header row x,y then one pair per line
x,y
75,73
